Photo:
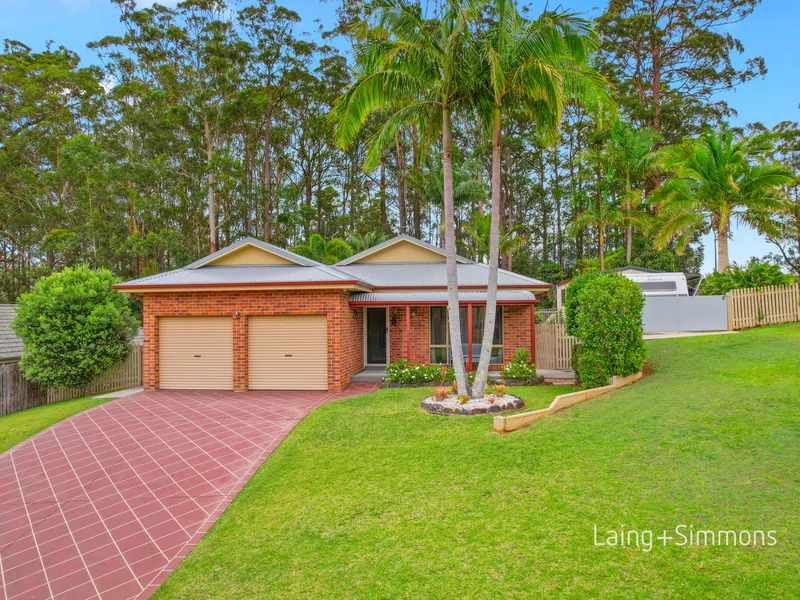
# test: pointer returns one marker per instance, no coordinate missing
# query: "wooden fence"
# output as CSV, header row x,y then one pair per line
x,y
17,393
553,345
768,305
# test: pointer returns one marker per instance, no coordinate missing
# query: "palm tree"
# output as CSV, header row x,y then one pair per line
x,y
713,179
600,216
630,154
479,230
420,70
359,242
537,66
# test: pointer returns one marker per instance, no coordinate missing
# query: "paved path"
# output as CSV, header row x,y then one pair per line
x,y
106,503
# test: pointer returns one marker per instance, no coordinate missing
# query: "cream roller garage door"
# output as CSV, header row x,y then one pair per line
x,y
287,353
195,353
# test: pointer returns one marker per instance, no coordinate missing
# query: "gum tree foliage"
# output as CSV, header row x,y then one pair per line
x,y
73,327
207,121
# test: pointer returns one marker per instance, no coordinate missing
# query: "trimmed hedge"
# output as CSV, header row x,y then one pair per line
x,y
606,317
571,302
73,327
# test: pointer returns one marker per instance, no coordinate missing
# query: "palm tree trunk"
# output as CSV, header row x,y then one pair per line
x,y
401,188
450,254
722,246
479,385
629,228
602,239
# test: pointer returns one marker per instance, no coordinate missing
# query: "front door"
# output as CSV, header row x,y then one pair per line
x,y
376,336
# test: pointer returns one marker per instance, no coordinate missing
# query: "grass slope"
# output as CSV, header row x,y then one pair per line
x,y
371,498
20,426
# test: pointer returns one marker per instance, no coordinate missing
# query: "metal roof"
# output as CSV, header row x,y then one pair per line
x,y
300,260
432,275
10,344
394,240
391,275
437,297
241,275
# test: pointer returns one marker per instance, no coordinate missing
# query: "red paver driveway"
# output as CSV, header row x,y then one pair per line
x,y
105,504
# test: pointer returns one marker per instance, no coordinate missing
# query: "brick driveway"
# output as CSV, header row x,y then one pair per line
x,y
107,503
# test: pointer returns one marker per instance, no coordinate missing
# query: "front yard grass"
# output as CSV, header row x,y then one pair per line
x,y
21,425
372,498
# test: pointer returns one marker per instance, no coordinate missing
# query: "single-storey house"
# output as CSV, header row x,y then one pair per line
x,y
255,316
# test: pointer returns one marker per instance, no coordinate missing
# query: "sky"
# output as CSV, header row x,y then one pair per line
x,y
770,32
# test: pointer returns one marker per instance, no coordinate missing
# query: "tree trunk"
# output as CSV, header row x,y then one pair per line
x,y
722,246
602,244
479,385
416,209
267,181
384,224
450,255
212,202
401,183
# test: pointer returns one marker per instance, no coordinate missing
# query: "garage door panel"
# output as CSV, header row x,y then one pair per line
x,y
288,353
196,353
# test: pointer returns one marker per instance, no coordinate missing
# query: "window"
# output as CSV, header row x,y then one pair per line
x,y
440,334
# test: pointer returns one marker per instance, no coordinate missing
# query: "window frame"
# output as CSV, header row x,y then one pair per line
x,y
500,311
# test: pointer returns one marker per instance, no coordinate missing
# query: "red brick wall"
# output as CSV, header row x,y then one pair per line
x,y
516,329
345,333
420,334
516,332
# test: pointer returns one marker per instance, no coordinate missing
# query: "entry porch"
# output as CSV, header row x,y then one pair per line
x,y
414,326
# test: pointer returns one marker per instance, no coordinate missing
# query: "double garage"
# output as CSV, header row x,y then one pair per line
x,y
283,352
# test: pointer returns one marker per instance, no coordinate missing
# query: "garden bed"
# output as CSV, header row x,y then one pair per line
x,y
489,404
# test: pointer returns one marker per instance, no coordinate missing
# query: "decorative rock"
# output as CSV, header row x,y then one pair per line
x,y
480,406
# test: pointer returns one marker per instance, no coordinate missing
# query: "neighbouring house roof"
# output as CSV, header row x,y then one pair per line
x,y
427,298
10,344
224,269
410,275
397,240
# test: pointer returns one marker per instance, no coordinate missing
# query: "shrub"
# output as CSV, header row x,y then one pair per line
x,y
463,399
519,371
500,390
522,355
571,299
608,325
403,371
441,393
73,327
591,369
756,273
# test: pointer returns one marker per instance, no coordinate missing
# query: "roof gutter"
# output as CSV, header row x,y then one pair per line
x,y
254,284
435,302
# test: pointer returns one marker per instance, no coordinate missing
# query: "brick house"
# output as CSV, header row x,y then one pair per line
x,y
255,316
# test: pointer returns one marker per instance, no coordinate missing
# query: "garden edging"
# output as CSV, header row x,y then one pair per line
x,y
503,424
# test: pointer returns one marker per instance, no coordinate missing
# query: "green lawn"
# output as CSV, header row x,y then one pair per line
x,y
20,426
371,498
